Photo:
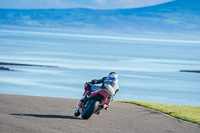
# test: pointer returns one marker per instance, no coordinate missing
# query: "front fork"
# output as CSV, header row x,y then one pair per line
x,y
82,106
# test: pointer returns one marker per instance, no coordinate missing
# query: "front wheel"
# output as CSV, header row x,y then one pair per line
x,y
77,113
87,113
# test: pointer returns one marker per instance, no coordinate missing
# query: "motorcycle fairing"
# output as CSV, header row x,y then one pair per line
x,y
102,92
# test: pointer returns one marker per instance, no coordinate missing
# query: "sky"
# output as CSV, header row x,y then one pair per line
x,y
91,4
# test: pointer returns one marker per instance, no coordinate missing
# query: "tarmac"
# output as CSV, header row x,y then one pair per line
x,y
33,114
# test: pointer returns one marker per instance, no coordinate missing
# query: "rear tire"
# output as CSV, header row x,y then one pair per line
x,y
87,113
77,113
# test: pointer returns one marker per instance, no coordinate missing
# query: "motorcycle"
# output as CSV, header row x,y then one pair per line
x,y
94,104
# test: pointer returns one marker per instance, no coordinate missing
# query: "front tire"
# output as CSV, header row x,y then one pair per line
x,y
87,113
77,113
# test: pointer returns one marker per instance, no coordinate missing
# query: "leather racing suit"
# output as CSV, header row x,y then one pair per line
x,y
106,83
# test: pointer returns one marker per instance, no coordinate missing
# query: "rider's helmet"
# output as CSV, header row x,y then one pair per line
x,y
113,76
111,83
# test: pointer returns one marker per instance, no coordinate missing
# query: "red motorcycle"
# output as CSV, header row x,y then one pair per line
x,y
94,104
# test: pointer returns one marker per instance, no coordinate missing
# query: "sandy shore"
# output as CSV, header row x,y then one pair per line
x,y
28,114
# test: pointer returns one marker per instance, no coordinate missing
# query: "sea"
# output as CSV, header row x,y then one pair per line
x,y
53,63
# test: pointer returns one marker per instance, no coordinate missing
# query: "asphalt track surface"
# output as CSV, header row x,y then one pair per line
x,y
28,114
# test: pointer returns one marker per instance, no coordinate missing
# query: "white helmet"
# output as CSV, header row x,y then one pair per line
x,y
113,76
112,83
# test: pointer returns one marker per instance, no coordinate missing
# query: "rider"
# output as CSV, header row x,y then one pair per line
x,y
110,83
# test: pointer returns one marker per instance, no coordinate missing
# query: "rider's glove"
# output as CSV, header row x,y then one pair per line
x,y
94,81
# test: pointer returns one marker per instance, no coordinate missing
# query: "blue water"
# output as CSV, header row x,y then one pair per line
x,y
148,67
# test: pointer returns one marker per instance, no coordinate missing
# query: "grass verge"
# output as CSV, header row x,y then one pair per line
x,y
187,113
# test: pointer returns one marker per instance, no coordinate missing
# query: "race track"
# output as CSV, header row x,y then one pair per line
x,y
28,114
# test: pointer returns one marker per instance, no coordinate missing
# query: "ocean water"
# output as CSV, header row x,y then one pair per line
x,y
60,63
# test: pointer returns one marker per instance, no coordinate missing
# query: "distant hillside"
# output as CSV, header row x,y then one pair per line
x,y
176,16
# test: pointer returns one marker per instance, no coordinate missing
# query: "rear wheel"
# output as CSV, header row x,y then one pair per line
x,y
89,110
